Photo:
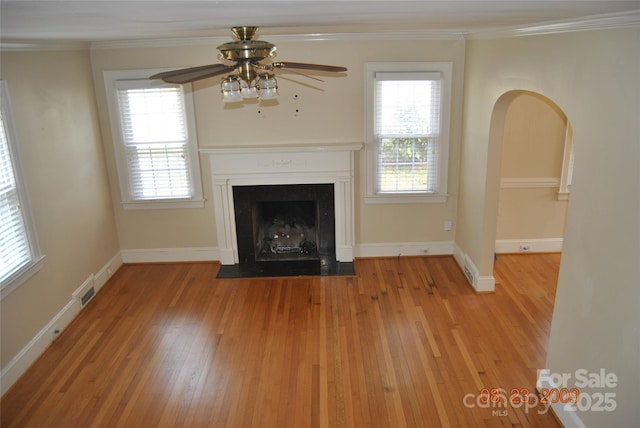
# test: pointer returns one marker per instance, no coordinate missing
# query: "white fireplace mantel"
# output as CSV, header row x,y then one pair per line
x,y
273,165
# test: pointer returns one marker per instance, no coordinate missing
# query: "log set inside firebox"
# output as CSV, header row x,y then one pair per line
x,y
286,229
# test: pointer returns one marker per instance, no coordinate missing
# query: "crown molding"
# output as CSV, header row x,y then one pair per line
x,y
157,43
41,45
214,41
592,23
611,21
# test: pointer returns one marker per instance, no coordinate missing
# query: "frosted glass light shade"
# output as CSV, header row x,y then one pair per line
x,y
267,86
248,90
230,87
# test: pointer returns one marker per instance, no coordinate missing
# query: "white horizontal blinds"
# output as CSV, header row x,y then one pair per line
x,y
15,251
155,136
407,130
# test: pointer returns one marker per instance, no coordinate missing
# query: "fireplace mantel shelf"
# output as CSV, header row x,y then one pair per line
x,y
282,164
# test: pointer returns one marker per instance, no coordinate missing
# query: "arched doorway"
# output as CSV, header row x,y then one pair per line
x,y
536,159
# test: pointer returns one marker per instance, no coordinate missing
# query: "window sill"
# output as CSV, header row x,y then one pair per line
x,y
163,204
405,198
20,277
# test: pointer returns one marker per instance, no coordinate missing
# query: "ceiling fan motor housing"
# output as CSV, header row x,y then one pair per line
x,y
245,47
255,50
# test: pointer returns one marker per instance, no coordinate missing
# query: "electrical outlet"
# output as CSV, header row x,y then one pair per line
x,y
525,248
448,225
55,332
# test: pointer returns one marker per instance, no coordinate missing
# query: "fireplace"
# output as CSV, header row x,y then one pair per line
x,y
278,226
309,207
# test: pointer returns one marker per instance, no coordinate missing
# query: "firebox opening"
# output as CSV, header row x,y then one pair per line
x,y
286,230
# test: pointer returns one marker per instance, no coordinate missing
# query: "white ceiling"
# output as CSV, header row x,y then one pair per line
x,y
100,21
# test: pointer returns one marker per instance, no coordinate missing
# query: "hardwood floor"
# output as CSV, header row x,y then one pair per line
x,y
406,342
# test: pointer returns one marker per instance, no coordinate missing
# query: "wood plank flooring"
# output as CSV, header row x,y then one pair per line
x,y
406,342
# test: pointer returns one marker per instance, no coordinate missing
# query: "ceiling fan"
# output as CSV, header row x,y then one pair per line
x,y
250,74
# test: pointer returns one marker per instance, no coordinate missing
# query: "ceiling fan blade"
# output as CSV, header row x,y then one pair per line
x,y
305,66
192,74
308,76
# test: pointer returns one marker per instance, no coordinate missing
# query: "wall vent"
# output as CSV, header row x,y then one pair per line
x,y
469,274
85,292
87,296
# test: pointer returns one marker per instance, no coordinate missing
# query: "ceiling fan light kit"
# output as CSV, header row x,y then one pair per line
x,y
252,74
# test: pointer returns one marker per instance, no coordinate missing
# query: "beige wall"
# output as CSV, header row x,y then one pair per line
x,y
307,113
593,77
531,213
533,138
56,126
533,147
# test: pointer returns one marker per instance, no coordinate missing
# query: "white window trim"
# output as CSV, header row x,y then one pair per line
x,y
20,276
371,196
564,189
197,200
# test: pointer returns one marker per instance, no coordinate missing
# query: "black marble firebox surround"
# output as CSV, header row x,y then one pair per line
x,y
247,198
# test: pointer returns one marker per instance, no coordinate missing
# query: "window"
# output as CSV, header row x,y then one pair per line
x,y
407,132
19,252
155,141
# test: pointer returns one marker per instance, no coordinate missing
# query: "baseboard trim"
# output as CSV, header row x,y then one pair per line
x,y
545,245
41,341
163,255
404,249
481,284
194,254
